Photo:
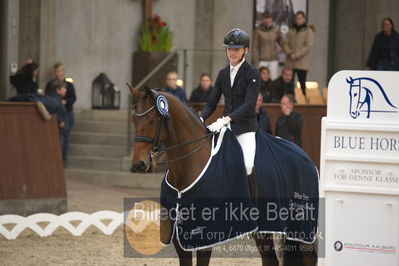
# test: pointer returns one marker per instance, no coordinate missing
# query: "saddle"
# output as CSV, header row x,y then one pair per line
x,y
216,208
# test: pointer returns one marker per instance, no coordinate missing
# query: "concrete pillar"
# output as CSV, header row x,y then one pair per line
x,y
318,16
3,47
29,30
37,36
47,50
203,39
9,23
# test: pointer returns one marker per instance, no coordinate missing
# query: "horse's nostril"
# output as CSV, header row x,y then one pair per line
x,y
138,166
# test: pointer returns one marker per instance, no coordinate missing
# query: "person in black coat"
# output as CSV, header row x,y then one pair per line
x,y
289,123
283,85
68,101
266,85
202,93
384,54
239,83
24,80
262,117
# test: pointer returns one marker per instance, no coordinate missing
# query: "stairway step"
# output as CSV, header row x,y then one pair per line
x,y
95,163
101,127
102,115
98,138
96,150
117,178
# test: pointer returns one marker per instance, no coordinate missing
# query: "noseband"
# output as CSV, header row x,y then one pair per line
x,y
157,147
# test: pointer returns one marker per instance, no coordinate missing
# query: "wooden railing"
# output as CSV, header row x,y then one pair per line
x,y
31,165
311,131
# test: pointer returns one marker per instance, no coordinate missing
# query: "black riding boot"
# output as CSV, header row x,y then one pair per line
x,y
253,188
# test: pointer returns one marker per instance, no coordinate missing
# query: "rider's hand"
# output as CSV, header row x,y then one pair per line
x,y
219,124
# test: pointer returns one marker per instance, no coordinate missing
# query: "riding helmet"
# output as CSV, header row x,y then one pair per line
x,y
236,38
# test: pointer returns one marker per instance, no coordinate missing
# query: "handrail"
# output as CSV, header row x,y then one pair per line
x,y
139,85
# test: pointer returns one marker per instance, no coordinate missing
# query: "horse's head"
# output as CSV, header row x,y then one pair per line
x,y
150,127
354,96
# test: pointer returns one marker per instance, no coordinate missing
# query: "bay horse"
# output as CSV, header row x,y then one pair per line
x,y
187,145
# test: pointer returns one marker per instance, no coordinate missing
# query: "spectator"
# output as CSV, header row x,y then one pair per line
x,y
203,91
264,47
68,101
172,88
262,117
283,85
266,85
57,89
25,79
384,54
298,42
289,123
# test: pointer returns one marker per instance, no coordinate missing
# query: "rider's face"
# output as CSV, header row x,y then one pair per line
x,y
235,54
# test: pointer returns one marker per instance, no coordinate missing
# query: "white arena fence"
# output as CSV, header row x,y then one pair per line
x,y
64,220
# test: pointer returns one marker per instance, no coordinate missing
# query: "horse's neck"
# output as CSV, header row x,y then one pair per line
x,y
183,172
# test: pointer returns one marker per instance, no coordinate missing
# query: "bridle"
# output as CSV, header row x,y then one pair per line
x,y
157,148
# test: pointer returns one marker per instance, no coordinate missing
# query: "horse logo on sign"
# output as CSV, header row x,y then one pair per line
x,y
363,92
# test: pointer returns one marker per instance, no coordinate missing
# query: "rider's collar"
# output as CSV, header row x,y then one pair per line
x,y
237,67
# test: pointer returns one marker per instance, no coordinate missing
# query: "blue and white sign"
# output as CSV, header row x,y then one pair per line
x,y
366,95
359,169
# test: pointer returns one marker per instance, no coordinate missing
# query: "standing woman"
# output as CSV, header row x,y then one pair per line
x,y
68,100
384,54
297,45
265,49
239,83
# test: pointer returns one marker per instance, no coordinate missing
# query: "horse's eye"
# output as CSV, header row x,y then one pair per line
x,y
355,94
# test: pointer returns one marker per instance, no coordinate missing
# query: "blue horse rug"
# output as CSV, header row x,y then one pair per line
x,y
218,206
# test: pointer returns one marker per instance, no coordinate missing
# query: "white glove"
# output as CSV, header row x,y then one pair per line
x,y
219,124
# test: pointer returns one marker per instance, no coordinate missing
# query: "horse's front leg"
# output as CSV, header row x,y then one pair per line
x,y
204,256
185,257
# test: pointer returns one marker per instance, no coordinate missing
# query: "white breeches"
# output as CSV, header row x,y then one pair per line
x,y
248,146
272,66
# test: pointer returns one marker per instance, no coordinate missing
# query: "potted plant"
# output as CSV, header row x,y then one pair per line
x,y
155,42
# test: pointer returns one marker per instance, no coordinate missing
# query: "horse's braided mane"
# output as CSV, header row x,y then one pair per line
x,y
188,110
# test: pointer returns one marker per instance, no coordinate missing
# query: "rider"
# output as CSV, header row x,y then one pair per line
x,y
239,83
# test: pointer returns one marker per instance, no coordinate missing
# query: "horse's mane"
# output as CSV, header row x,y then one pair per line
x,y
188,110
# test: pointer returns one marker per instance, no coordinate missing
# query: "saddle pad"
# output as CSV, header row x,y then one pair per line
x,y
209,211
288,187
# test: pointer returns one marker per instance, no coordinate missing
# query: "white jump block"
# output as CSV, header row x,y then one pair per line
x,y
359,169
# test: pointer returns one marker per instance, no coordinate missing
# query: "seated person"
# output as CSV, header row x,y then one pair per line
x,y
25,79
51,101
284,85
203,91
289,123
262,117
172,88
266,85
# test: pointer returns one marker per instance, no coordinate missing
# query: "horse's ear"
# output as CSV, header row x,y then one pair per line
x,y
135,92
349,80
